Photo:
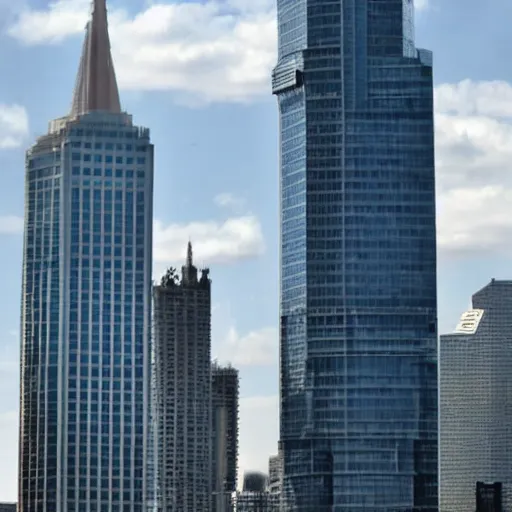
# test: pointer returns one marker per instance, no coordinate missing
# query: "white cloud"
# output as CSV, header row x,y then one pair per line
x,y
474,166
61,19
13,126
11,225
476,219
259,432
211,51
493,98
257,348
236,238
228,200
421,4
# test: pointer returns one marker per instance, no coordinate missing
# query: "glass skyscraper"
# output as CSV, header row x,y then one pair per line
x,y
85,355
358,258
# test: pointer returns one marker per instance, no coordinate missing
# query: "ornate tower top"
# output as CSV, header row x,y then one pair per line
x,y
96,85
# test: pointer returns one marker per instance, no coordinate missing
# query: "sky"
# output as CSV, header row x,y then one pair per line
x,y
198,74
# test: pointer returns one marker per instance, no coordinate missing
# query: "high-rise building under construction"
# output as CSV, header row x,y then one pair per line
x,y
182,311
225,393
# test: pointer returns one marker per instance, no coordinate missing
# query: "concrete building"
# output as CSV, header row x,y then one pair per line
x,y
476,405
275,480
86,300
225,396
254,496
182,327
275,473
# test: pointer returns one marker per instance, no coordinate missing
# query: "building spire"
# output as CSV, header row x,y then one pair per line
x,y
96,85
188,271
189,254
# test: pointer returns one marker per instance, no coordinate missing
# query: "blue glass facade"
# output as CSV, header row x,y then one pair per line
x,y
86,317
358,258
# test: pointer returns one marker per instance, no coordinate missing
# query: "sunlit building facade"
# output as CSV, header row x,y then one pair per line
x,y
86,292
358,345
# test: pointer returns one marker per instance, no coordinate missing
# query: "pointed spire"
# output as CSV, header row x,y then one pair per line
x,y
96,85
188,271
189,254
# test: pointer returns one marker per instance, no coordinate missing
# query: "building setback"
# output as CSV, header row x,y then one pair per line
x,y
358,347
182,330
476,405
86,296
225,394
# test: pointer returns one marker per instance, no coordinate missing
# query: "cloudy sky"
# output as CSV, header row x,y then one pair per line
x,y
197,73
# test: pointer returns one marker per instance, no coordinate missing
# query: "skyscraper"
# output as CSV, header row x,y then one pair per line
x,y
358,258
476,405
182,342
225,391
86,295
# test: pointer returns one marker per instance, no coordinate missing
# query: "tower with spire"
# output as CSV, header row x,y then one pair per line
x,y
96,85
182,342
86,301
